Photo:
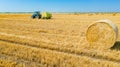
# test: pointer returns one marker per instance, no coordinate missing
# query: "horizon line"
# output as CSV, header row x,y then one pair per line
x,y
63,12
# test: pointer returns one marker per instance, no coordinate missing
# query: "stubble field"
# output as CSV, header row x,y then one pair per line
x,y
58,42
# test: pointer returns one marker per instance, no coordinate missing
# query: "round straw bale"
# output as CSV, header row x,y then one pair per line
x,y
102,34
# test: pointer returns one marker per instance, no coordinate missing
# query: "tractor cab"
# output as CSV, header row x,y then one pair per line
x,y
36,15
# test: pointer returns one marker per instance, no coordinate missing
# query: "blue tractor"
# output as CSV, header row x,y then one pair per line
x,y
36,15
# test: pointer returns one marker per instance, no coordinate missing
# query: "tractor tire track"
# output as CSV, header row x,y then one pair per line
x,y
62,50
17,60
62,56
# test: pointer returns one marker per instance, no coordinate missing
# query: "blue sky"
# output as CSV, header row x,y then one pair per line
x,y
60,5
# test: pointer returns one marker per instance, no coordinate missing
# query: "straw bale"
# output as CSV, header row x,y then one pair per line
x,y
102,34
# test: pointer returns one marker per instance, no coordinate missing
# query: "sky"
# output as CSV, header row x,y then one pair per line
x,y
60,5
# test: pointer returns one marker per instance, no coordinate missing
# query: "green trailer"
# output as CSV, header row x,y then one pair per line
x,y
46,15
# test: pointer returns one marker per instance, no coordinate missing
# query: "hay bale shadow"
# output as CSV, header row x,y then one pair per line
x,y
116,46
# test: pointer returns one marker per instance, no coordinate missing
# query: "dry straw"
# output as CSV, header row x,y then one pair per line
x,y
102,34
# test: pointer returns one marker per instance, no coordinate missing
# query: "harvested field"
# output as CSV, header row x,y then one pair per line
x,y
57,42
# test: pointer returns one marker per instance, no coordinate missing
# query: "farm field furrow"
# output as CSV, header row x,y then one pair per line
x,y
106,55
14,61
59,59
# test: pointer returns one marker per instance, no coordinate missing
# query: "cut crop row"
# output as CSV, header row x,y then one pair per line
x,y
51,58
111,55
